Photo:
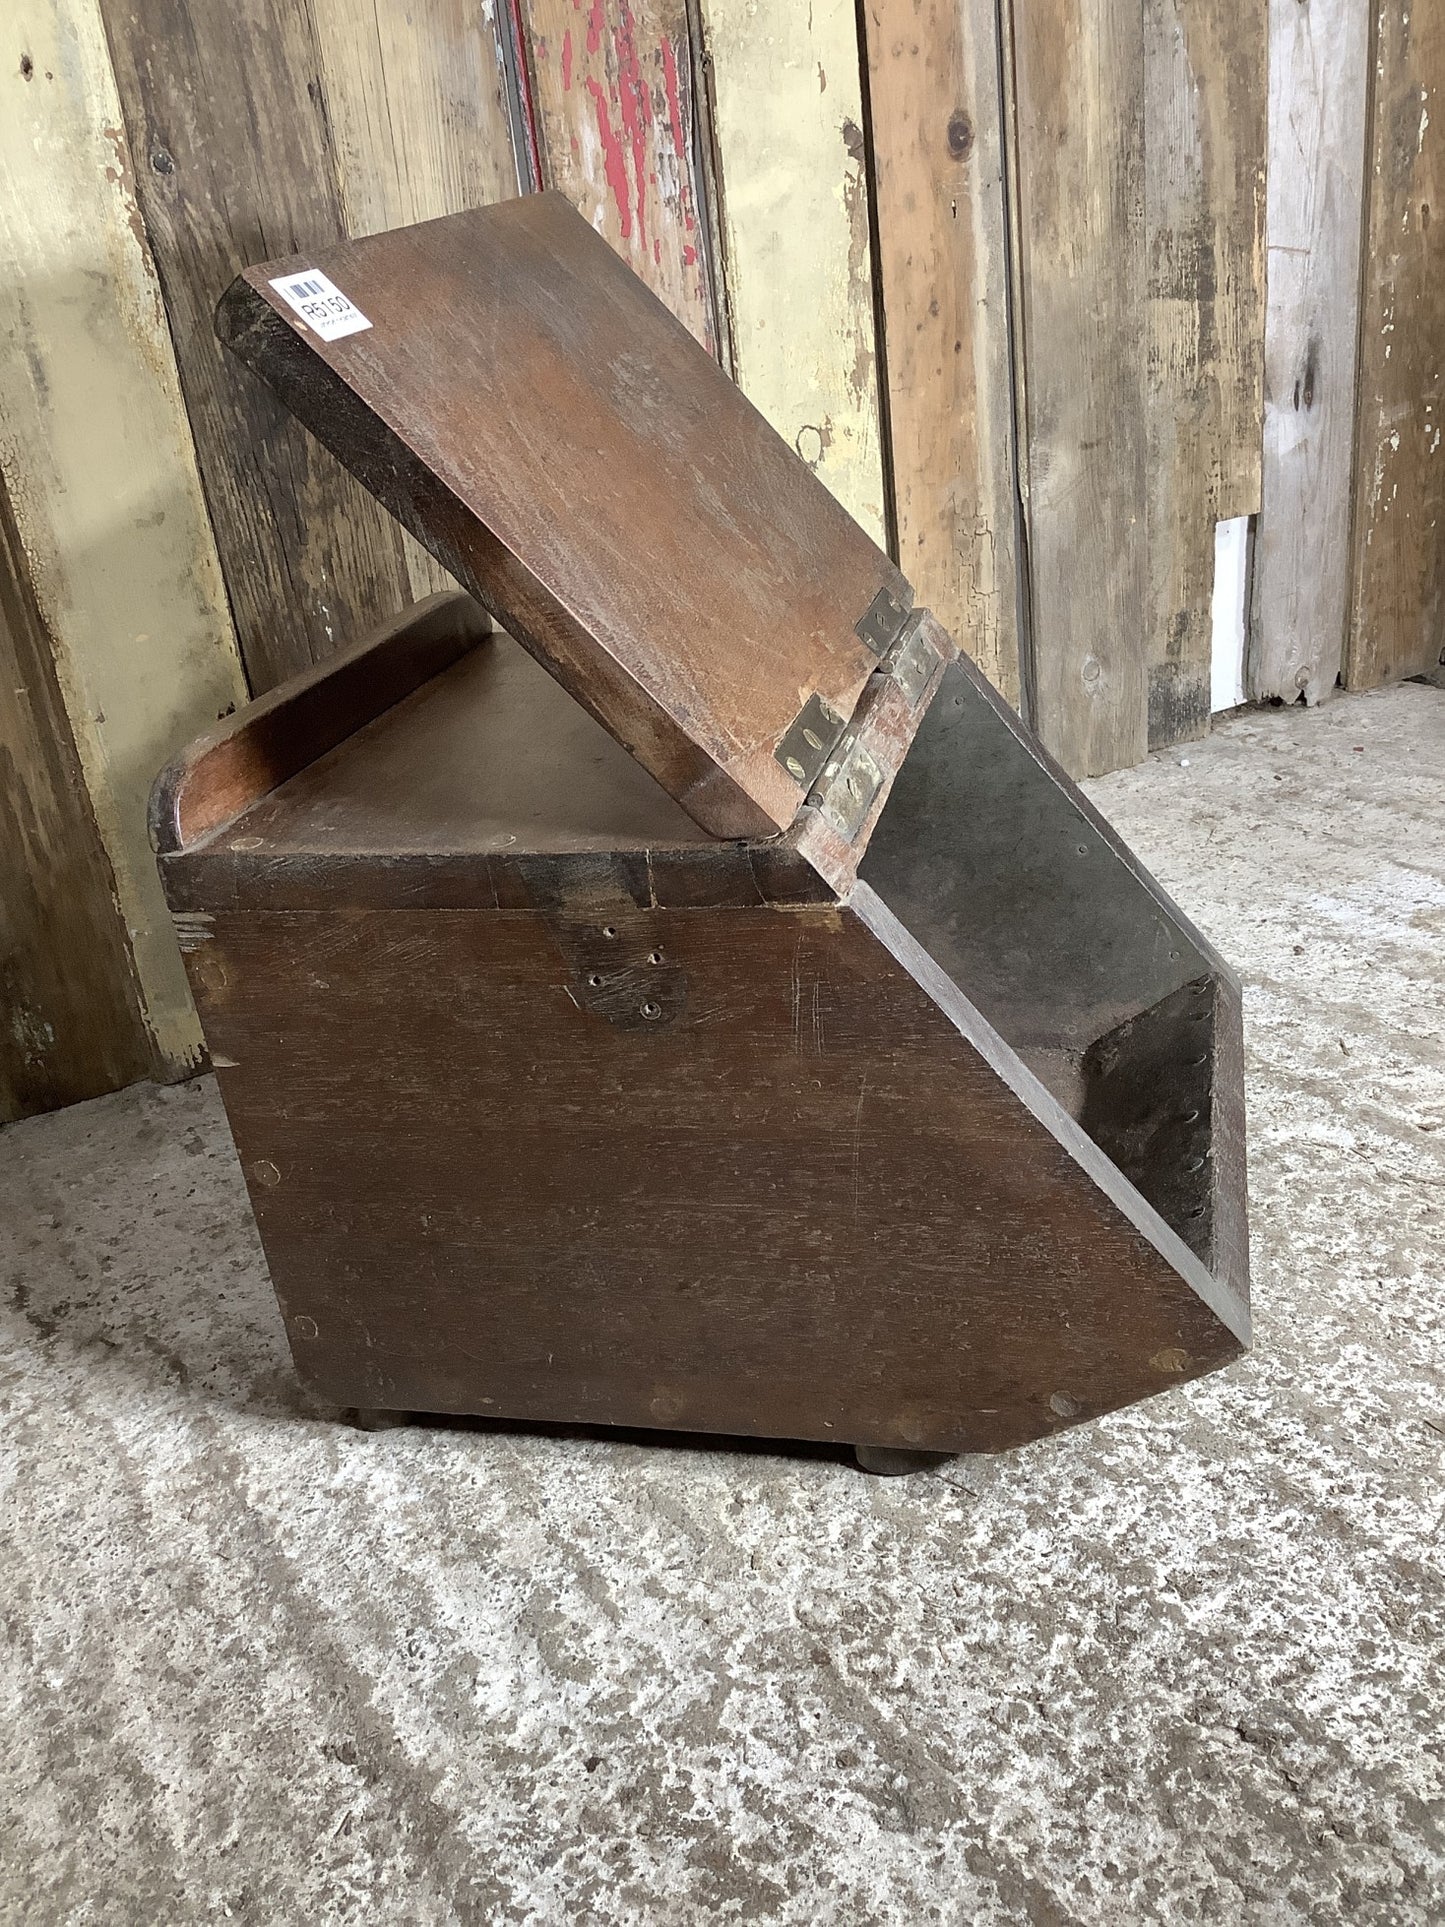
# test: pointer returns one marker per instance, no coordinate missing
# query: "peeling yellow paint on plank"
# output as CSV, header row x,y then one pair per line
x,y
797,256
97,458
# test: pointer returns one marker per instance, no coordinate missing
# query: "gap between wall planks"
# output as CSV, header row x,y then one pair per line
x,y
1319,65
100,470
73,1026
1398,598
797,264
943,269
1079,79
416,100
615,122
1205,116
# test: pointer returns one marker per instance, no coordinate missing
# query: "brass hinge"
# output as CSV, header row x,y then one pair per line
x,y
810,739
878,628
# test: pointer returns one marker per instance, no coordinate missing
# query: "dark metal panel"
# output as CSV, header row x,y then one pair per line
x,y
1016,886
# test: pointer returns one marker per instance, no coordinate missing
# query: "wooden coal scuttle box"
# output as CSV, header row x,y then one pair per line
x,y
704,1006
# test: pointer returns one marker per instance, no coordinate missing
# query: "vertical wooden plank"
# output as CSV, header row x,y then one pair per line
x,y
1205,130
613,94
1079,72
71,1017
1397,625
797,254
226,114
1318,89
943,270
99,468
417,107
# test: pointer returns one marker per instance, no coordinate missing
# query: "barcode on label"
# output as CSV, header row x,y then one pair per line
x,y
321,304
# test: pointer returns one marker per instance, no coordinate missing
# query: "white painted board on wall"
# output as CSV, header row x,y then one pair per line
x,y
1231,582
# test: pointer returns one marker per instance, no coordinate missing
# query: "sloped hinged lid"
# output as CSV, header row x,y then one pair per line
x,y
512,392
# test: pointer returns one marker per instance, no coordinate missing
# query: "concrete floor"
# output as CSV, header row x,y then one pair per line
x,y
1183,1665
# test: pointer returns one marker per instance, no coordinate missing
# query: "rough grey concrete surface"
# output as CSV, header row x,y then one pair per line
x,y
1182,1665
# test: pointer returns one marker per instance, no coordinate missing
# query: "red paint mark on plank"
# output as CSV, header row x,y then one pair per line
x,y
612,158
567,61
595,24
636,104
674,102
689,254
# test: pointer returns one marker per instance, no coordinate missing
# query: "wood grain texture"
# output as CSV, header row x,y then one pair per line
x,y
943,271
615,120
232,767
70,1020
1206,112
100,468
753,1162
589,472
486,787
1079,76
1319,65
417,114
226,112
1397,625
797,259
792,1200
416,109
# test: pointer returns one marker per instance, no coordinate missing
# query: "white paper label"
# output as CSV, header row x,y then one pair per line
x,y
321,304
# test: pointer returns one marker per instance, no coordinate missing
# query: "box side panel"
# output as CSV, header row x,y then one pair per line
x,y
722,1171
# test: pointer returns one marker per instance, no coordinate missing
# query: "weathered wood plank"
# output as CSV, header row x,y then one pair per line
x,y
797,258
1079,74
97,457
226,108
1318,89
72,1025
612,89
417,108
943,271
1398,602
1205,132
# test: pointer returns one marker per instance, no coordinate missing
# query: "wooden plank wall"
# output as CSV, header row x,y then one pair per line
x,y
946,323
110,550
417,112
615,125
1204,214
1140,212
267,130
791,182
995,270
1397,614
1079,78
72,1020
1348,572
1319,88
